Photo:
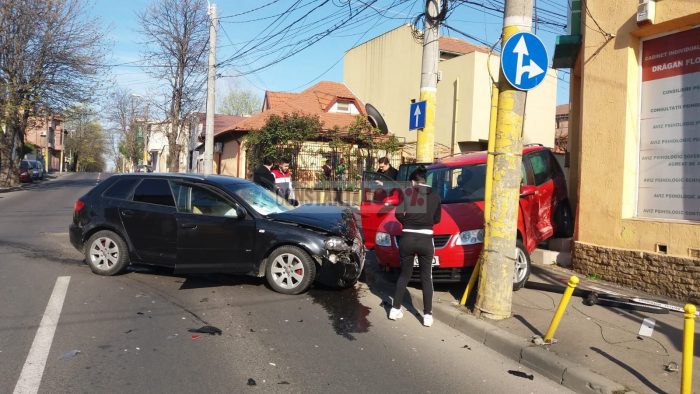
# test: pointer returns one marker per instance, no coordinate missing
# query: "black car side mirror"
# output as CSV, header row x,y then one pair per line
x,y
240,212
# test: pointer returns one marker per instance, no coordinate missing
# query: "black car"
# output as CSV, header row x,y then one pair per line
x,y
198,224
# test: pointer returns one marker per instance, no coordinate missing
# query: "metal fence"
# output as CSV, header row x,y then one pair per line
x,y
347,164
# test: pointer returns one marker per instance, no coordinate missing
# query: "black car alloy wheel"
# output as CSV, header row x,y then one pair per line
x,y
106,253
290,270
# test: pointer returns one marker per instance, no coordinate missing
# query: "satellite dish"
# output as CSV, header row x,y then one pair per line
x,y
375,119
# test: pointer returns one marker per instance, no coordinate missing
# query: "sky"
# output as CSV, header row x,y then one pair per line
x,y
259,54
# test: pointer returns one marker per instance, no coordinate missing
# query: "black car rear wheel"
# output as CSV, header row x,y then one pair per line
x,y
290,270
106,253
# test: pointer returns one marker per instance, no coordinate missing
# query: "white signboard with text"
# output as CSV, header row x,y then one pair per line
x,y
669,139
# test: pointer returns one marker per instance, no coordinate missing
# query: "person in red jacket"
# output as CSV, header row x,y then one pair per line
x,y
283,180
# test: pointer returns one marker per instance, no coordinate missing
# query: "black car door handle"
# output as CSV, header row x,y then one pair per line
x,y
127,212
188,225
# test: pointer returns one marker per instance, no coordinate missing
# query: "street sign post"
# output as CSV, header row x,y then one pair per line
x,y
524,61
416,114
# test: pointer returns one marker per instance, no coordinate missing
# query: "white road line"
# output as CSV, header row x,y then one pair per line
x,y
30,378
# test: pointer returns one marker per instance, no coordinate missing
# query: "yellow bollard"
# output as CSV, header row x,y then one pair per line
x,y
688,349
573,281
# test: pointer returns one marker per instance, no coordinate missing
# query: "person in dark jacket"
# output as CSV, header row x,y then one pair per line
x,y
386,168
263,175
418,212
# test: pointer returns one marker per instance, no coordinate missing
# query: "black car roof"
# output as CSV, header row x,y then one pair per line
x,y
217,179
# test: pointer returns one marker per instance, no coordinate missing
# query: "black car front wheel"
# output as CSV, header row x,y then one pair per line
x,y
106,253
290,270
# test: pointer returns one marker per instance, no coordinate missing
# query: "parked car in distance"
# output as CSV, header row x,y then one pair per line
x,y
25,171
196,224
543,212
37,169
143,168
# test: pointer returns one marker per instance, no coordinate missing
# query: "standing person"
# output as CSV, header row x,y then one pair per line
x,y
340,170
327,170
418,212
263,174
386,168
283,180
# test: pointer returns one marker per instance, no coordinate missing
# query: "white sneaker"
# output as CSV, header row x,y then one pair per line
x,y
395,314
427,320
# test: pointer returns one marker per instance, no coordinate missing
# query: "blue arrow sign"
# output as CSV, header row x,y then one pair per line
x,y
416,115
524,61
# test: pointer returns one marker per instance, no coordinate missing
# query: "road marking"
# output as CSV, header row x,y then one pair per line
x,y
30,377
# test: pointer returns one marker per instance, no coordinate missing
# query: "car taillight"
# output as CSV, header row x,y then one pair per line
x,y
79,204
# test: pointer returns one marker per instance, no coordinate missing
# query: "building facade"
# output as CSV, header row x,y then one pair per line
x,y
385,72
635,136
46,135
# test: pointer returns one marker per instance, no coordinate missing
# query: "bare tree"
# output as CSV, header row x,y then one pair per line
x,y
177,33
49,57
127,112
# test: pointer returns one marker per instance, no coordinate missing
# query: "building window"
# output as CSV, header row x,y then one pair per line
x,y
342,106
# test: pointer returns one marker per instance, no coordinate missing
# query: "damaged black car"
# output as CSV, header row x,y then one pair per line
x,y
215,224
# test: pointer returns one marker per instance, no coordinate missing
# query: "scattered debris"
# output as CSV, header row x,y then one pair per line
x,y
126,332
672,367
211,330
139,313
195,337
604,299
466,347
70,354
521,374
537,340
301,321
283,382
273,364
251,382
205,299
251,330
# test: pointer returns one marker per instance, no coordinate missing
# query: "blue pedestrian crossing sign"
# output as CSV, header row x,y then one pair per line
x,y
524,61
416,115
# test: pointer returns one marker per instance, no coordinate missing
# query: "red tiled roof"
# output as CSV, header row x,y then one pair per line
x,y
454,45
222,123
315,100
562,109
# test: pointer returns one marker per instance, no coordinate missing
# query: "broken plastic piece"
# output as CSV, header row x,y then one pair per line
x,y
537,340
521,374
71,354
251,382
195,337
672,367
211,330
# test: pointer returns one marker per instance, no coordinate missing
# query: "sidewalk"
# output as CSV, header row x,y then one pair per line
x,y
598,349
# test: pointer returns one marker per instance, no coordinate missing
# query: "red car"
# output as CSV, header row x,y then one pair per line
x,y
25,171
544,212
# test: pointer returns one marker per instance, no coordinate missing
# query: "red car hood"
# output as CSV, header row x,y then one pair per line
x,y
456,217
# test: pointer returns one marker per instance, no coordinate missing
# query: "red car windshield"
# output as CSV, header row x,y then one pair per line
x,y
459,184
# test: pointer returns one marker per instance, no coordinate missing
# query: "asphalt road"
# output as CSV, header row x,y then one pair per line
x,y
130,333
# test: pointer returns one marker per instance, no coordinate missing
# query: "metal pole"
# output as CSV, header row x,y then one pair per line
x,y
211,83
688,349
496,284
573,282
425,145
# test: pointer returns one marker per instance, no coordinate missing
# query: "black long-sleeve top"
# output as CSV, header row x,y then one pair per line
x,y
420,208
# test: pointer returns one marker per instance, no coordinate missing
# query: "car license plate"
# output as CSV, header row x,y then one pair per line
x,y
436,261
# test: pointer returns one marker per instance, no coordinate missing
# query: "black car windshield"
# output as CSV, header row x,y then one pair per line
x,y
459,184
260,199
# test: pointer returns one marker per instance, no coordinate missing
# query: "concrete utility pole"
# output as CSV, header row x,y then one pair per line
x,y
496,285
425,146
211,97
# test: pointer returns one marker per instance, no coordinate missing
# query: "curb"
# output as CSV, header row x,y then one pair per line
x,y
567,373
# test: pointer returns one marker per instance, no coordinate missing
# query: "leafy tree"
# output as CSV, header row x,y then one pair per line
x,y
240,102
85,139
50,52
283,137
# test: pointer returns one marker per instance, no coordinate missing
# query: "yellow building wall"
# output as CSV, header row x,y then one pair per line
x,y
608,154
385,72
